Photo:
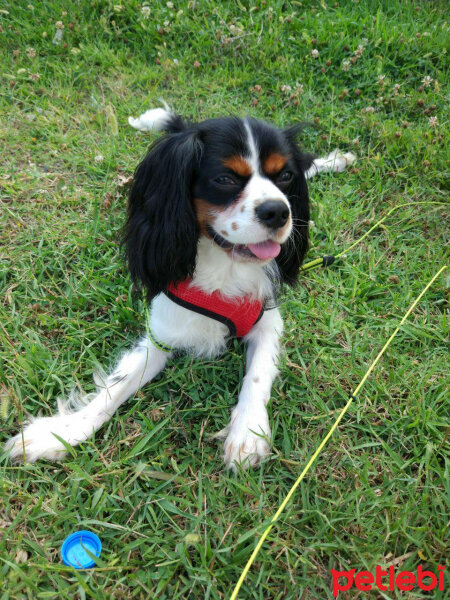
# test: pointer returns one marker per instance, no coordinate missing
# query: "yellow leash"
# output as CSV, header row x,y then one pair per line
x,y
332,429
324,261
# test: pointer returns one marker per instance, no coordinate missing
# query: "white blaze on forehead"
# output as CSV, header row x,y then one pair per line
x,y
259,188
254,154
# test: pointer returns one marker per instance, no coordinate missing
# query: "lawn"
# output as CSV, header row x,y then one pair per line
x,y
372,79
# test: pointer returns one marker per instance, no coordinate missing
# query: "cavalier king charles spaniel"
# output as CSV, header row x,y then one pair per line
x,y
217,220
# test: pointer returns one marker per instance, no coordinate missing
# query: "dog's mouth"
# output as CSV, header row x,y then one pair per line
x,y
263,250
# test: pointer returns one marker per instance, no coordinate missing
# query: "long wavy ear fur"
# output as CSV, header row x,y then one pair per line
x,y
161,232
293,252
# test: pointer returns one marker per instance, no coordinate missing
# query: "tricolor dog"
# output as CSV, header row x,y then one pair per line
x,y
218,218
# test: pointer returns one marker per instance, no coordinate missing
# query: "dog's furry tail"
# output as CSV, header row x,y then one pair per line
x,y
159,119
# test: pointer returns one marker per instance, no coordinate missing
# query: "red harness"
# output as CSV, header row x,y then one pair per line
x,y
238,314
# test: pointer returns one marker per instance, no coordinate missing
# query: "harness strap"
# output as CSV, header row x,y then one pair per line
x,y
203,311
238,314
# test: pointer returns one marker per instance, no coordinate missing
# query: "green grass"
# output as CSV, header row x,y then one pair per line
x,y
173,523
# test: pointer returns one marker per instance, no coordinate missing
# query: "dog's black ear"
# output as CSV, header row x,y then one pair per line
x,y
293,251
161,232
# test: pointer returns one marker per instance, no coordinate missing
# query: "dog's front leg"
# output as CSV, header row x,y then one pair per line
x,y
246,442
39,438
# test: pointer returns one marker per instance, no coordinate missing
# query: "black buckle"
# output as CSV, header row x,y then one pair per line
x,y
327,260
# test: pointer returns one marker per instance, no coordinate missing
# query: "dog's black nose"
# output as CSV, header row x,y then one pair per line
x,y
273,213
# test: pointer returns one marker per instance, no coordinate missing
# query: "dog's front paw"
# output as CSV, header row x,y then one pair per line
x,y
246,444
37,441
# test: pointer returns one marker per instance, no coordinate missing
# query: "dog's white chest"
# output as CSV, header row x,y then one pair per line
x,y
185,329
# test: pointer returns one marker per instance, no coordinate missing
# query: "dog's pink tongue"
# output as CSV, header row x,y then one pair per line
x,y
265,250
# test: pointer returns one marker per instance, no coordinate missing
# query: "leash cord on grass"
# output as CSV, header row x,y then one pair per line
x,y
327,437
324,261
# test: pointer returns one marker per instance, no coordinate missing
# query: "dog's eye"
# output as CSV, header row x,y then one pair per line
x,y
285,177
225,180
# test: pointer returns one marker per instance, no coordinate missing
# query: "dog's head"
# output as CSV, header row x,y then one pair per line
x,y
238,182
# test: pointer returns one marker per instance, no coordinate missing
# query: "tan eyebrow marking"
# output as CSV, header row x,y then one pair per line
x,y
239,165
274,163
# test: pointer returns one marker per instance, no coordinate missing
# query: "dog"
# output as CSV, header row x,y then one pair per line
x,y
217,220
